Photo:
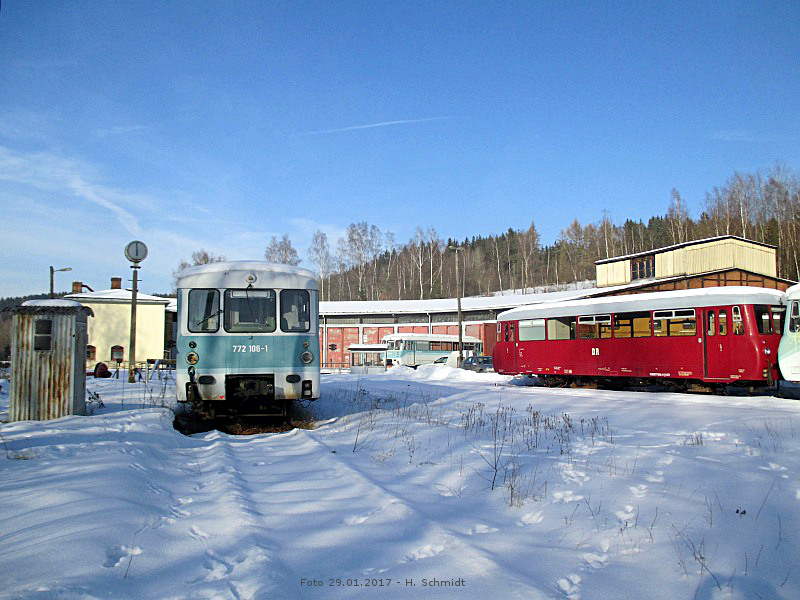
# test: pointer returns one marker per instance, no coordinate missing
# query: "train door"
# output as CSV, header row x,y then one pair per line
x,y
506,349
716,347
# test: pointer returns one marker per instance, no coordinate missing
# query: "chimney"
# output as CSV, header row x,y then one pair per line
x,y
77,287
116,283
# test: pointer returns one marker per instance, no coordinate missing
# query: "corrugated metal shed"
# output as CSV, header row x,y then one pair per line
x,y
48,359
694,258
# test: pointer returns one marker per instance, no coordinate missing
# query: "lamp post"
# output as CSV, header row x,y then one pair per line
x,y
135,252
458,300
52,271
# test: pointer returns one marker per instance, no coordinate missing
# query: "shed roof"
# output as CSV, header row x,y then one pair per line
x,y
682,245
122,296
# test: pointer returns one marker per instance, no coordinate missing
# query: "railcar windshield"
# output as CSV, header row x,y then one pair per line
x,y
203,313
250,311
794,317
763,322
295,311
778,314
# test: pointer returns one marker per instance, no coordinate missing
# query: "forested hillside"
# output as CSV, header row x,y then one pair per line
x,y
368,265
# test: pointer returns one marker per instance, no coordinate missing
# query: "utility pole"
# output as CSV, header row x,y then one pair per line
x,y
458,301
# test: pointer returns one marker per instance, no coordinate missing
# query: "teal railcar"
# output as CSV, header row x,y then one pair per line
x,y
248,338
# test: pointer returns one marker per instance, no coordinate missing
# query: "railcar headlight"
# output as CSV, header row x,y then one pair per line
x,y
192,358
767,351
307,357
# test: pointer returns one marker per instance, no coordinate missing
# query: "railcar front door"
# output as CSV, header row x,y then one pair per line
x,y
509,347
716,353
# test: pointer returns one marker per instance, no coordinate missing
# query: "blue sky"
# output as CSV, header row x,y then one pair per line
x,y
220,124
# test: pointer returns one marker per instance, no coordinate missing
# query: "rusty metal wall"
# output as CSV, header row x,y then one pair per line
x,y
43,383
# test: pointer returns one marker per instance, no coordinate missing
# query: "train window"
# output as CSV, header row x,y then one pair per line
x,y
423,346
738,324
531,330
723,322
635,324
117,353
763,322
594,327
203,311
42,334
295,311
711,325
250,311
674,323
623,326
794,317
778,313
409,345
641,324
562,328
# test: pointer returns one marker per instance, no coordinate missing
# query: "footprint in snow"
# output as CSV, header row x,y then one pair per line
x,y
532,518
625,515
138,467
594,560
481,528
157,490
357,520
116,555
639,491
657,477
567,496
667,460
426,551
570,586
198,533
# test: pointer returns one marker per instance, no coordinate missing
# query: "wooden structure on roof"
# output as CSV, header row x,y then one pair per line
x,y
713,262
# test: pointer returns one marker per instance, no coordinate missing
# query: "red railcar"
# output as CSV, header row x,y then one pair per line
x,y
712,335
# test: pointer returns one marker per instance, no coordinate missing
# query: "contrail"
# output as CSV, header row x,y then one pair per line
x,y
373,125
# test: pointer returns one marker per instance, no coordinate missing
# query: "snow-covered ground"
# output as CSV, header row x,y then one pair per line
x,y
438,475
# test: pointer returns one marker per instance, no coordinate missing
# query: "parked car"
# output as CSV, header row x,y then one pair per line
x,y
481,364
441,361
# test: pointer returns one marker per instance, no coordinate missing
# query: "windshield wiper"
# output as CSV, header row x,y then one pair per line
x,y
211,316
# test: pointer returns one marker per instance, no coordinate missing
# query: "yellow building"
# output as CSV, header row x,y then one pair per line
x,y
719,261
110,330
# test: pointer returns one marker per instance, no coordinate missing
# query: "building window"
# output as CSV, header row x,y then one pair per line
x,y
43,334
117,353
91,352
643,267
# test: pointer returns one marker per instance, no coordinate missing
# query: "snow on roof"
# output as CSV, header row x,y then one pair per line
x,y
121,295
793,293
718,296
172,306
362,307
235,273
439,337
58,302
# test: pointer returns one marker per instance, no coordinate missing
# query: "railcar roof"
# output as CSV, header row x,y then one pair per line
x,y
718,296
793,293
429,336
233,274
367,347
